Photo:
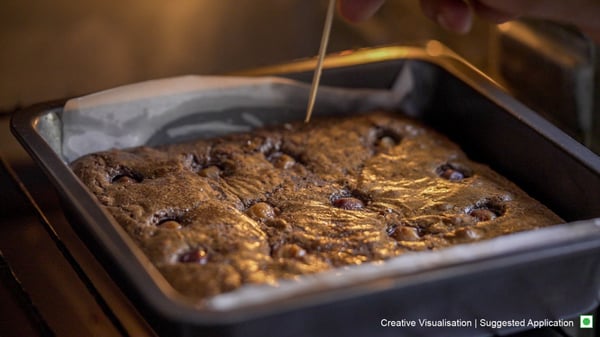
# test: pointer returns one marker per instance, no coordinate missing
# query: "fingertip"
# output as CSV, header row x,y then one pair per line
x,y
358,10
452,15
458,22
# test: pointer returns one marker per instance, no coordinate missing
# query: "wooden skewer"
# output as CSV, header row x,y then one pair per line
x,y
319,68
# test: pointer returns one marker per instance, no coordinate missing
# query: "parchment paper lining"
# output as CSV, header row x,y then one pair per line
x,y
175,109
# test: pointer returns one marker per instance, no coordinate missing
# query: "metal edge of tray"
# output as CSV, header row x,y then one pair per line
x,y
437,53
23,125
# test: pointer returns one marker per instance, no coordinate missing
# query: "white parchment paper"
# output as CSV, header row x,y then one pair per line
x,y
134,114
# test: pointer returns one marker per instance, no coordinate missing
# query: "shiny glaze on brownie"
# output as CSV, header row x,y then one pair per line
x,y
297,199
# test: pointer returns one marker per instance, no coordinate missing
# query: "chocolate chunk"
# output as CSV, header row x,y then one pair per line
x,y
452,175
453,172
261,211
349,203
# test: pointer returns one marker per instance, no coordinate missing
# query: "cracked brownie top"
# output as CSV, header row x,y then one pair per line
x,y
284,201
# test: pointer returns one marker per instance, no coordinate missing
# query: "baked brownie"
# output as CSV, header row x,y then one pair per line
x,y
300,198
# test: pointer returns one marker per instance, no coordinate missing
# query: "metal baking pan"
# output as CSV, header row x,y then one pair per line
x,y
552,273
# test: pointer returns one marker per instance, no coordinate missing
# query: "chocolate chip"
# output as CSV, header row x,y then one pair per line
x,y
453,172
261,211
196,255
349,203
452,175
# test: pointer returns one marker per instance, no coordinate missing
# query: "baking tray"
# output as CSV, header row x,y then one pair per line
x,y
552,273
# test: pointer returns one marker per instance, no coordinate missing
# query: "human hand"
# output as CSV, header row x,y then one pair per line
x,y
457,15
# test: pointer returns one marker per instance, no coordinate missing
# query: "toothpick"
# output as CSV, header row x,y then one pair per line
x,y
319,68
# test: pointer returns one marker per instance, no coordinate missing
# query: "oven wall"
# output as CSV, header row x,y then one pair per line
x,y
66,48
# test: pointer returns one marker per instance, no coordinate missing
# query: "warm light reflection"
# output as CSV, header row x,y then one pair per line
x,y
384,53
504,27
434,48
528,36
346,52
341,59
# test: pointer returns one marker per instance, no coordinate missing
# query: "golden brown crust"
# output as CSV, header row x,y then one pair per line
x,y
298,199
